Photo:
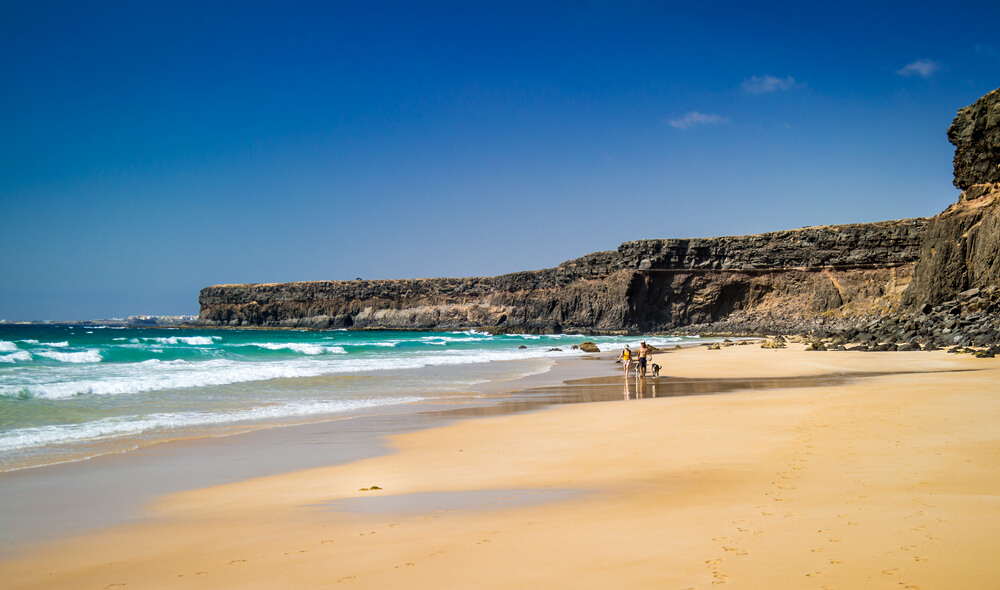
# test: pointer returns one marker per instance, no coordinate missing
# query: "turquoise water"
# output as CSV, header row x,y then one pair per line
x,y
70,392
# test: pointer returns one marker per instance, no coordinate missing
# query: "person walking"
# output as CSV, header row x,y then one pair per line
x,y
645,354
625,358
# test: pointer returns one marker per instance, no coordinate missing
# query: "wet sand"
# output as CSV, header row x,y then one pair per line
x,y
837,479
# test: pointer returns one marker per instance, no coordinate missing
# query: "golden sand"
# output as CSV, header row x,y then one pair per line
x,y
882,482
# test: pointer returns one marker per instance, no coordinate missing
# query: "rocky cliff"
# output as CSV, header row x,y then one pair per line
x,y
848,278
813,273
960,250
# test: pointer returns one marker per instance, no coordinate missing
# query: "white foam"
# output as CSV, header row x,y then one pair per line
x,y
465,337
29,341
154,375
119,426
7,346
21,355
85,356
62,344
301,347
189,340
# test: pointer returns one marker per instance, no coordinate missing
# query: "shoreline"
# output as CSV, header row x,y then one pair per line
x,y
46,502
597,477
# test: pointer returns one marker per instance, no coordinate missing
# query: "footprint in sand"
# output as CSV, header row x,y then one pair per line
x,y
115,585
393,525
347,579
818,550
327,542
407,564
836,562
891,572
201,573
720,539
237,561
484,541
814,574
719,561
918,558
730,549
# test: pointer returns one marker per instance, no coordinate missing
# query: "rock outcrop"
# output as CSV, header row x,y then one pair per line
x,y
961,248
891,284
975,133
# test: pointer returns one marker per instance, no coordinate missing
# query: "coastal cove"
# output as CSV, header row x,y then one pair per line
x,y
706,487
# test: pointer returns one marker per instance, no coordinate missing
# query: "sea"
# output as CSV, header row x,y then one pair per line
x,y
69,393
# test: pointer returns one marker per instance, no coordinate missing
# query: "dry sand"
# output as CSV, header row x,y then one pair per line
x,y
881,482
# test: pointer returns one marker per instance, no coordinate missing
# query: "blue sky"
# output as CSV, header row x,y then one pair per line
x,y
150,149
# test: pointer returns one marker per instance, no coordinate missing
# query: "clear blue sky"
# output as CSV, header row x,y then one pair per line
x,y
149,149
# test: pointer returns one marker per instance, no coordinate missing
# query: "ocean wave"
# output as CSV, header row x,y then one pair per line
x,y
19,356
6,346
119,426
189,340
466,338
29,341
302,347
156,375
84,356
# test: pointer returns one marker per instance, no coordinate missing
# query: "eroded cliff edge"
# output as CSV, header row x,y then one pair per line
x,y
818,279
831,274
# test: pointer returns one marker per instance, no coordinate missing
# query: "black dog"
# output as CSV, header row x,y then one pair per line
x,y
656,370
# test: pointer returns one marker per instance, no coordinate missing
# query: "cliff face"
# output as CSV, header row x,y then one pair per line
x,y
644,285
960,250
830,278
975,133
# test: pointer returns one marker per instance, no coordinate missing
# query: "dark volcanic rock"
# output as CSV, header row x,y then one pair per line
x,y
975,133
752,282
961,249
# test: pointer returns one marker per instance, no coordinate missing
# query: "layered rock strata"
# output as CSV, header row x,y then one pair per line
x,y
645,285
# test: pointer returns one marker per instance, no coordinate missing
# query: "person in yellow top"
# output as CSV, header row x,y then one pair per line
x,y
626,359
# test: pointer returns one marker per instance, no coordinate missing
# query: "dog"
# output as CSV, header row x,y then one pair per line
x,y
656,369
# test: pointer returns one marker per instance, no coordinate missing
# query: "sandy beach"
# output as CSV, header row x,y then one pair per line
x,y
884,481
